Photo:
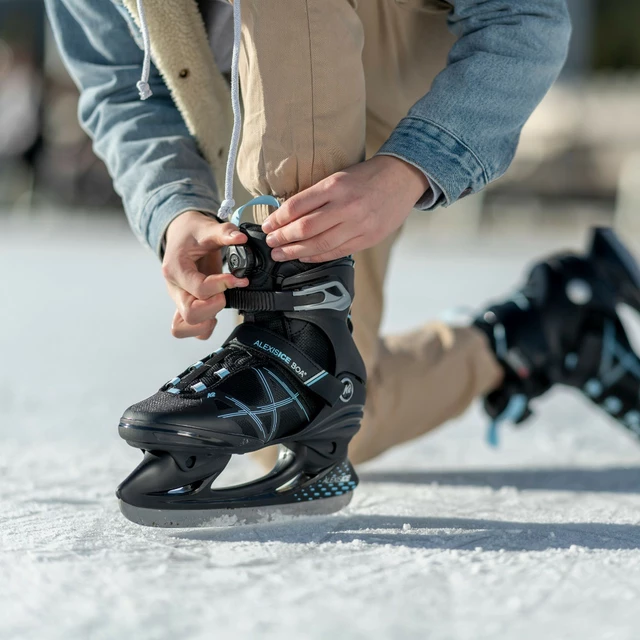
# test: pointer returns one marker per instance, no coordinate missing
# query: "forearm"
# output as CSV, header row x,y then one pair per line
x,y
155,163
464,132
156,167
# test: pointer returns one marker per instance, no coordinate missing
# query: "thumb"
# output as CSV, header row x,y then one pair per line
x,y
219,234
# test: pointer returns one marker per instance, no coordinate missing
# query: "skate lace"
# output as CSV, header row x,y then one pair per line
x,y
226,208
210,370
143,84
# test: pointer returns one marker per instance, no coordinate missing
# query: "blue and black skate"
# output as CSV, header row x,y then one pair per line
x,y
289,375
563,328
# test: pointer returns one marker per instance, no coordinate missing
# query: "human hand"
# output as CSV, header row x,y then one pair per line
x,y
349,211
192,267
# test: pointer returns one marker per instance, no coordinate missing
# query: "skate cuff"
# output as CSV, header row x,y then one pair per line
x,y
289,357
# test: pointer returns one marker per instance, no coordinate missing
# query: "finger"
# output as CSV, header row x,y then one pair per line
x,y
182,329
208,334
347,249
193,310
306,227
319,245
297,206
183,272
219,234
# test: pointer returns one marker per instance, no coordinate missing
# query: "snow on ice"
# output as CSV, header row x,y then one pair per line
x,y
445,539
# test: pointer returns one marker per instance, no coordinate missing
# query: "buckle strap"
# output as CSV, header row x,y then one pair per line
x,y
326,295
287,355
255,300
265,300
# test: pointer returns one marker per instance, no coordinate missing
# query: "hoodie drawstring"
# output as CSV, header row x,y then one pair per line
x,y
226,208
143,84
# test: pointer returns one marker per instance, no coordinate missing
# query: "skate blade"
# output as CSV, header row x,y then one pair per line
x,y
218,518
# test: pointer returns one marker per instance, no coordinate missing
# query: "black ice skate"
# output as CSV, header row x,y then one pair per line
x,y
562,327
289,375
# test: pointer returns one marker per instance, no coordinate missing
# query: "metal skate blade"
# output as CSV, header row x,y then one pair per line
x,y
188,518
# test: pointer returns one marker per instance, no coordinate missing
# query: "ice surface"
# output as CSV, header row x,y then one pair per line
x,y
445,539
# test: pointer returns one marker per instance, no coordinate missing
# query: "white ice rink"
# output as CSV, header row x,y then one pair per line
x,y
445,539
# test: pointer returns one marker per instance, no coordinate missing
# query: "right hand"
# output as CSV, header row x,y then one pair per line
x,y
192,267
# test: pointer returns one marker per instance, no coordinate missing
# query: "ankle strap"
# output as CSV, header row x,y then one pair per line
x,y
288,356
327,295
244,300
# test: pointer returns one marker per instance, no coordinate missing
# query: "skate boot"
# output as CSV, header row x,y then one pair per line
x,y
289,375
562,327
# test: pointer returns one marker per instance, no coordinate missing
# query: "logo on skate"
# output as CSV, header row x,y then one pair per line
x,y
299,370
347,392
273,351
282,356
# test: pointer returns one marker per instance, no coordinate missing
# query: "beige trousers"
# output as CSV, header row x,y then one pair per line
x,y
324,82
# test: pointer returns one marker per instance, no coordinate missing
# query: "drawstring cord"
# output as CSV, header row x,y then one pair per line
x,y
226,208
143,84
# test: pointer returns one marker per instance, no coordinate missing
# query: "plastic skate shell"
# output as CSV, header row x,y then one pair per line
x,y
264,387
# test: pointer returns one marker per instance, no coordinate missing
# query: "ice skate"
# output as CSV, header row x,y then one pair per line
x,y
562,327
289,375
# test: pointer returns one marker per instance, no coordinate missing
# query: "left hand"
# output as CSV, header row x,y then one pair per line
x,y
347,212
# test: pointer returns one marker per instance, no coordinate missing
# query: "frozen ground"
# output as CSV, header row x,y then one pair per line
x,y
446,539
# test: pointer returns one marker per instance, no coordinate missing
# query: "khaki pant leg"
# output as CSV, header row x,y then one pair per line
x,y
303,92
295,134
418,380
421,380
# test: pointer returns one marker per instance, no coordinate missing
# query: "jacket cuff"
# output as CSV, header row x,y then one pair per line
x,y
445,160
169,201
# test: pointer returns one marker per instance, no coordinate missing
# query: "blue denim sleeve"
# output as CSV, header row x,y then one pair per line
x,y
463,134
155,163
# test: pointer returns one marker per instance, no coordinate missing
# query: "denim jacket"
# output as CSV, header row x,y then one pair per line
x,y
462,134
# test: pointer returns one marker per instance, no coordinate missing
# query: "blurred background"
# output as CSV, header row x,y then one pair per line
x,y
76,280
84,333
578,162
